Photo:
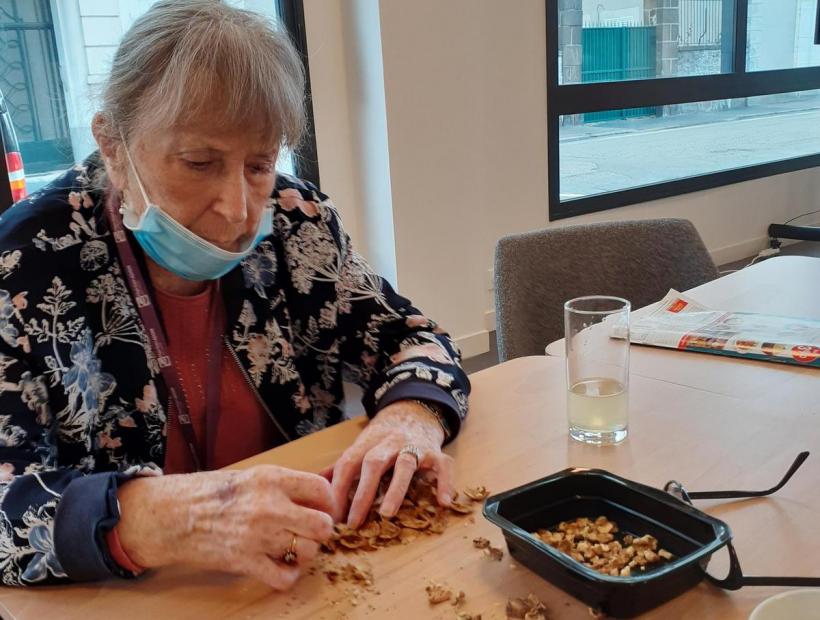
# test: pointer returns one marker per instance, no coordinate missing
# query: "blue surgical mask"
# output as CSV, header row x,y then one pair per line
x,y
177,249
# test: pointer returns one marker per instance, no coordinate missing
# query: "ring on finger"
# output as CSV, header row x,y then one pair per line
x,y
290,556
413,451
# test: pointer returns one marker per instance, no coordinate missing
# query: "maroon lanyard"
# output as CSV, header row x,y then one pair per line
x,y
159,346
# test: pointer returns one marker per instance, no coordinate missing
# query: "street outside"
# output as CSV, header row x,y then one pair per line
x,y
598,158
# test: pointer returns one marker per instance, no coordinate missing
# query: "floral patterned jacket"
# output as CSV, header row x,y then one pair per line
x,y
83,405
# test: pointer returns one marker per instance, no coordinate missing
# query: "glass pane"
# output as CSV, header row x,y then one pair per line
x,y
616,40
781,35
31,84
621,149
51,65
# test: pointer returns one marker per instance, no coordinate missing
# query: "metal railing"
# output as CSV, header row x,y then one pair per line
x,y
701,23
30,80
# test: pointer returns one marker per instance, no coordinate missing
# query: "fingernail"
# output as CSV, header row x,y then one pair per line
x,y
446,498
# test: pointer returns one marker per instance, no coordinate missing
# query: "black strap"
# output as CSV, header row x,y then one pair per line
x,y
159,346
736,579
676,488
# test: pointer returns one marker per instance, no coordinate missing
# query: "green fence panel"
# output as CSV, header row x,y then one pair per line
x,y
615,54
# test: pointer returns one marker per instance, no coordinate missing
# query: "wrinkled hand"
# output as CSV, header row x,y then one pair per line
x,y
236,521
377,449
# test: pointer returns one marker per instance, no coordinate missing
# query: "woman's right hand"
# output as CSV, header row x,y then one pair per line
x,y
236,521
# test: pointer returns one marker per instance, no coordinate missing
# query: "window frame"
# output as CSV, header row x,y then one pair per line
x,y
292,15
6,199
306,160
734,82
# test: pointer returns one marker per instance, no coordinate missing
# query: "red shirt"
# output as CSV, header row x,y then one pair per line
x,y
244,428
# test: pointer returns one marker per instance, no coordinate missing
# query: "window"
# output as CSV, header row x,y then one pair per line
x,y
54,55
654,98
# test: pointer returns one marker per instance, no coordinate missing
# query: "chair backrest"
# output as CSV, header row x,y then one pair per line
x,y
536,272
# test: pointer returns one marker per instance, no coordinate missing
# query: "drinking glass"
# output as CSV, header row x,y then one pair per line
x,y
597,355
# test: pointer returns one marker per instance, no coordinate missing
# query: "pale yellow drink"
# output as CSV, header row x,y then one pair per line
x,y
598,405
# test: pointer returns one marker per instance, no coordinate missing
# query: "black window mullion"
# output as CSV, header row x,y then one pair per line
x,y
817,26
6,199
741,35
730,38
552,45
553,153
603,96
292,14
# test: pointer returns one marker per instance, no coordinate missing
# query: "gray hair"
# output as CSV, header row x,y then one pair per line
x,y
187,57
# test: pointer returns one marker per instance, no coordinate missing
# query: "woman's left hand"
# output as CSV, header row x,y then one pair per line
x,y
400,425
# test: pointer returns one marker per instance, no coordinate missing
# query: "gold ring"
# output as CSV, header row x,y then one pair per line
x,y
411,449
290,556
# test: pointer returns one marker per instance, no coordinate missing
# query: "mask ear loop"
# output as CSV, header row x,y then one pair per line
x,y
136,174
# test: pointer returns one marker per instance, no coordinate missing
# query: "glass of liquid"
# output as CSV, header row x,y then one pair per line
x,y
596,330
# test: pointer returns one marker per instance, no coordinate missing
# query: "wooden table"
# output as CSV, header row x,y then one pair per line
x,y
708,421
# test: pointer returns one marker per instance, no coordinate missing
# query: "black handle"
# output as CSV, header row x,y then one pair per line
x,y
676,488
736,579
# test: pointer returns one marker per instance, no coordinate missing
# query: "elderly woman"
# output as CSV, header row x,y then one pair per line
x,y
174,305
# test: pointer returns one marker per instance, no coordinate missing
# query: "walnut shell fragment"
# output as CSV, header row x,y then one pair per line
x,y
530,608
349,573
389,531
371,529
437,593
460,508
414,522
477,494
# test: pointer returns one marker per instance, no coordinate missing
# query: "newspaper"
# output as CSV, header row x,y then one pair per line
x,y
679,322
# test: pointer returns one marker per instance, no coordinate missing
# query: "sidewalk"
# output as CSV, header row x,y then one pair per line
x,y
572,133
633,153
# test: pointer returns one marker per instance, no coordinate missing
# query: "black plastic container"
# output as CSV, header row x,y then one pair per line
x,y
690,535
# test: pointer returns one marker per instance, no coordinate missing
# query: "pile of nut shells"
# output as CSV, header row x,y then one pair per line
x,y
595,544
419,515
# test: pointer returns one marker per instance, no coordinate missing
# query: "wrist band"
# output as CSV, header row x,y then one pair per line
x,y
118,554
435,410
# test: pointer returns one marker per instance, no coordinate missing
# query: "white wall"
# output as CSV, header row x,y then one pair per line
x,y
465,100
347,82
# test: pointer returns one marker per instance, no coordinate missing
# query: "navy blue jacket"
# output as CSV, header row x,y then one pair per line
x,y
83,405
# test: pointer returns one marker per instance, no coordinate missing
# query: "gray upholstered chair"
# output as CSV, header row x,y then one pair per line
x,y
536,272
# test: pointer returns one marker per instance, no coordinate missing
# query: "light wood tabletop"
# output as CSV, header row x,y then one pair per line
x,y
711,422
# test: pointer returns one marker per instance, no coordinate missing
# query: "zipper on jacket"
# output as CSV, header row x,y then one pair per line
x,y
254,390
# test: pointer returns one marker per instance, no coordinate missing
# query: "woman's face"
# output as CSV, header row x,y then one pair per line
x,y
214,181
